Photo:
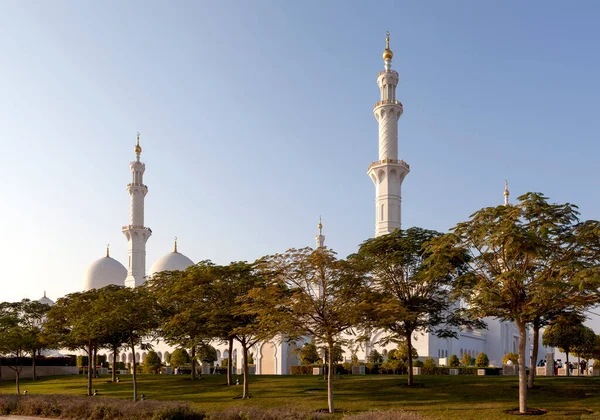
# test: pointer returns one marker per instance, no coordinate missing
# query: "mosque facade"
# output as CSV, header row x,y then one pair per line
x,y
278,356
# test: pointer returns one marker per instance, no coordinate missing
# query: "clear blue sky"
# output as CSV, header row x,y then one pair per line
x,y
256,118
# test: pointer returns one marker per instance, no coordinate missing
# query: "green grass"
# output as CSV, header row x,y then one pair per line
x,y
445,397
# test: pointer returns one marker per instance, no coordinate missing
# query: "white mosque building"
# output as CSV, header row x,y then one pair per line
x,y
277,357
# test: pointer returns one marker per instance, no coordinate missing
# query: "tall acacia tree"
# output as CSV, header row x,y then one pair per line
x,y
410,291
185,307
134,312
19,333
75,323
518,254
309,293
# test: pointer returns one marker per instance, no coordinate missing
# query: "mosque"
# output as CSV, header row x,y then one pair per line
x,y
276,357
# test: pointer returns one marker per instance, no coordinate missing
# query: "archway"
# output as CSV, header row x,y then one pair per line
x,y
267,359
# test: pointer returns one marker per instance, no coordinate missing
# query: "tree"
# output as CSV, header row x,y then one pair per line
x,y
179,357
152,362
184,319
466,360
208,354
410,291
568,334
375,357
453,361
75,323
238,279
482,360
513,357
17,333
136,315
309,354
517,256
309,293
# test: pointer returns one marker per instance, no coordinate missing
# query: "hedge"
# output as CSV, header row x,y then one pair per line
x,y
39,361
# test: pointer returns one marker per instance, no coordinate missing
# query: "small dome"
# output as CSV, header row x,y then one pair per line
x,y
46,301
103,272
173,261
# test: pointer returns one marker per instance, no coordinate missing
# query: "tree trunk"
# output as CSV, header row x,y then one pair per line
x,y
522,367
567,364
246,371
114,364
229,364
410,361
330,373
534,353
90,353
134,370
193,354
33,366
17,375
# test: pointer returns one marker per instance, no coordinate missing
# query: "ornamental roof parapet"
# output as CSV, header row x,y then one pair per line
x,y
134,227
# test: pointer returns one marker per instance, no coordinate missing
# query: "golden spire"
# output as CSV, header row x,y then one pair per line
x,y
107,250
506,192
320,226
138,149
175,246
387,53
44,293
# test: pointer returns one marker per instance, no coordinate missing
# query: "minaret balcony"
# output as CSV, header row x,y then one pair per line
x,y
393,161
388,102
133,184
387,72
135,227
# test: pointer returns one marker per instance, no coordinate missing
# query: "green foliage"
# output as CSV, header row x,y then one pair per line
x,y
82,361
453,361
418,363
375,357
525,263
513,357
309,354
482,360
206,353
429,363
466,360
152,362
179,357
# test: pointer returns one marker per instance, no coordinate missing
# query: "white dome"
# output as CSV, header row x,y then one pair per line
x,y
173,261
46,301
103,272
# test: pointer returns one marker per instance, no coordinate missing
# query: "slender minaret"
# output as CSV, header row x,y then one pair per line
x,y
388,172
135,232
320,238
506,192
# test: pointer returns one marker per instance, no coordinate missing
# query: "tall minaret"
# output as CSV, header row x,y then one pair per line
x,y
135,232
320,238
388,172
506,192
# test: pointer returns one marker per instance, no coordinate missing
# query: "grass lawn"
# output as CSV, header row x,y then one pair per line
x,y
445,397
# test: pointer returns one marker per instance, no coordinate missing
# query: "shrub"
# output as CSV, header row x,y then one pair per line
x,y
418,363
453,361
179,357
596,364
466,360
152,362
275,413
482,360
386,415
429,366
514,357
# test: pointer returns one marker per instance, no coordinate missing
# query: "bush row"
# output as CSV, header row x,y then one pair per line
x,y
39,361
82,408
381,368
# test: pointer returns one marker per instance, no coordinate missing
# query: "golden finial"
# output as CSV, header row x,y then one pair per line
x,y
506,192
175,247
387,53
320,226
107,250
44,293
138,148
